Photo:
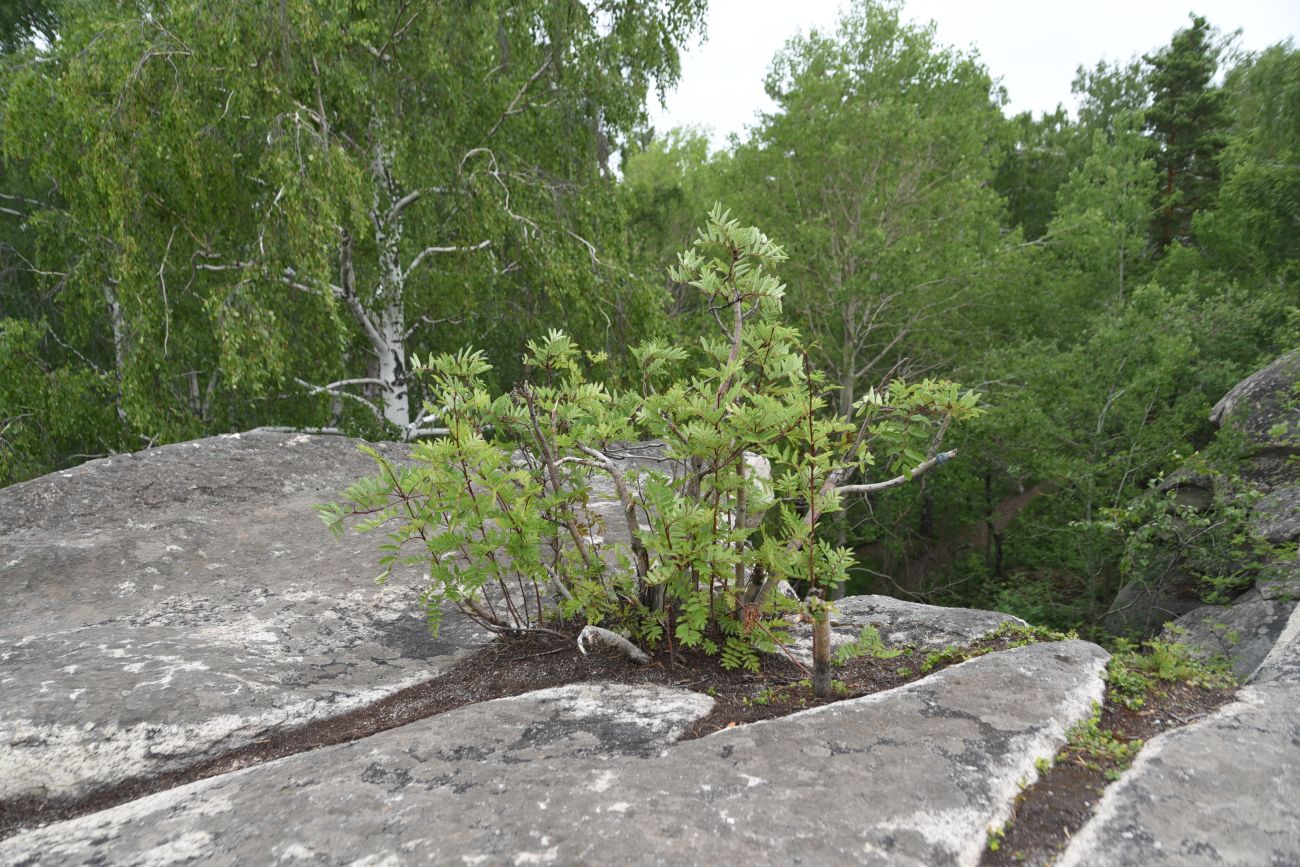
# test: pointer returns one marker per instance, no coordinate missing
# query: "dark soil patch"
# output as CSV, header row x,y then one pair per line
x,y
1048,813
513,666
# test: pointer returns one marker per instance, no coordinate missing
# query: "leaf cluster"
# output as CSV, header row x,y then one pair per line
x,y
541,508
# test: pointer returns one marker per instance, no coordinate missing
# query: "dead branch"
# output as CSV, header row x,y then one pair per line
x,y
613,639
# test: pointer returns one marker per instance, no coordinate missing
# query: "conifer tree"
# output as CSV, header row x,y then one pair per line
x,y
1188,119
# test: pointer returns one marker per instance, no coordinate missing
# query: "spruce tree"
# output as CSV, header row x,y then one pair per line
x,y
1187,119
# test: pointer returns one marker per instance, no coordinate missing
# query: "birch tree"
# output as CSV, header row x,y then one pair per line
x,y
265,208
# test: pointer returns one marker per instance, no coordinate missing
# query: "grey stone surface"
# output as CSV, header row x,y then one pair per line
x,y
181,601
1276,517
1282,665
1265,406
1279,579
927,627
584,775
1222,791
1243,632
1191,489
1142,608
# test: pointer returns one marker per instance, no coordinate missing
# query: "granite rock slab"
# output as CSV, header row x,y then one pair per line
x,y
1282,665
171,604
1244,632
1224,791
901,624
587,774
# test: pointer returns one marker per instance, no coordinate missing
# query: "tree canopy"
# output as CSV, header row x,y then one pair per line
x,y
220,216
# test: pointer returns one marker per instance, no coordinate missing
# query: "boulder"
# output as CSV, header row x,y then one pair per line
x,y
1282,665
1276,517
1190,489
1142,608
1224,790
165,606
1265,407
1243,632
587,774
1279,579
925,627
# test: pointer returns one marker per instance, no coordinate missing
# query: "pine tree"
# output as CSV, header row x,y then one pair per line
x,y
1188,118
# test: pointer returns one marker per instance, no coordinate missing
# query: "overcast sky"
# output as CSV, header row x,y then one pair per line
x,y
1035,46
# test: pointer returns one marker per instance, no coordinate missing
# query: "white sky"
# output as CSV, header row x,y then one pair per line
x,y
1035,46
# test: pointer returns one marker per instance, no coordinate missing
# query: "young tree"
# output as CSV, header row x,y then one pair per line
x,y
1103,214
1108,92
508,536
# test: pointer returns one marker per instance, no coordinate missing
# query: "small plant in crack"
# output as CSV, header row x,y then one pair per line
x,y
1007,635
1098,749
1134,670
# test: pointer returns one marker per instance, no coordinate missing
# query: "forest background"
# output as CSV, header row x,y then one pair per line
x,y
215,217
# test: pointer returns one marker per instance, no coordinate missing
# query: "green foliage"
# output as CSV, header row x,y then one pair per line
x,y
1040,154
1215,544
218,216
255,212
506,537
1007,635
1092,746
879,146
868,643
47,411
1135,671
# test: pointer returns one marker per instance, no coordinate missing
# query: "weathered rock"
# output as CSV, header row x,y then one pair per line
x,y
1265,407
1276,517
1243,632
639,459
1222,791
1279,579
1282,665
1190,489
1142,608
170,604
926,627
579,775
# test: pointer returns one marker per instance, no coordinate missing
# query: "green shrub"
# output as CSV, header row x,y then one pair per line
x,y
498,508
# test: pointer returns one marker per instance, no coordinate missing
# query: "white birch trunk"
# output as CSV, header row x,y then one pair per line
x,y
118,322
389,337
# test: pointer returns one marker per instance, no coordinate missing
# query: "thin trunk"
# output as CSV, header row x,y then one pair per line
x,y
822,653
118,322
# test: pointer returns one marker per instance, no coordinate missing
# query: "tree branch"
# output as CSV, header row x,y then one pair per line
x,y
512,108
920,470
323,389
427,251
